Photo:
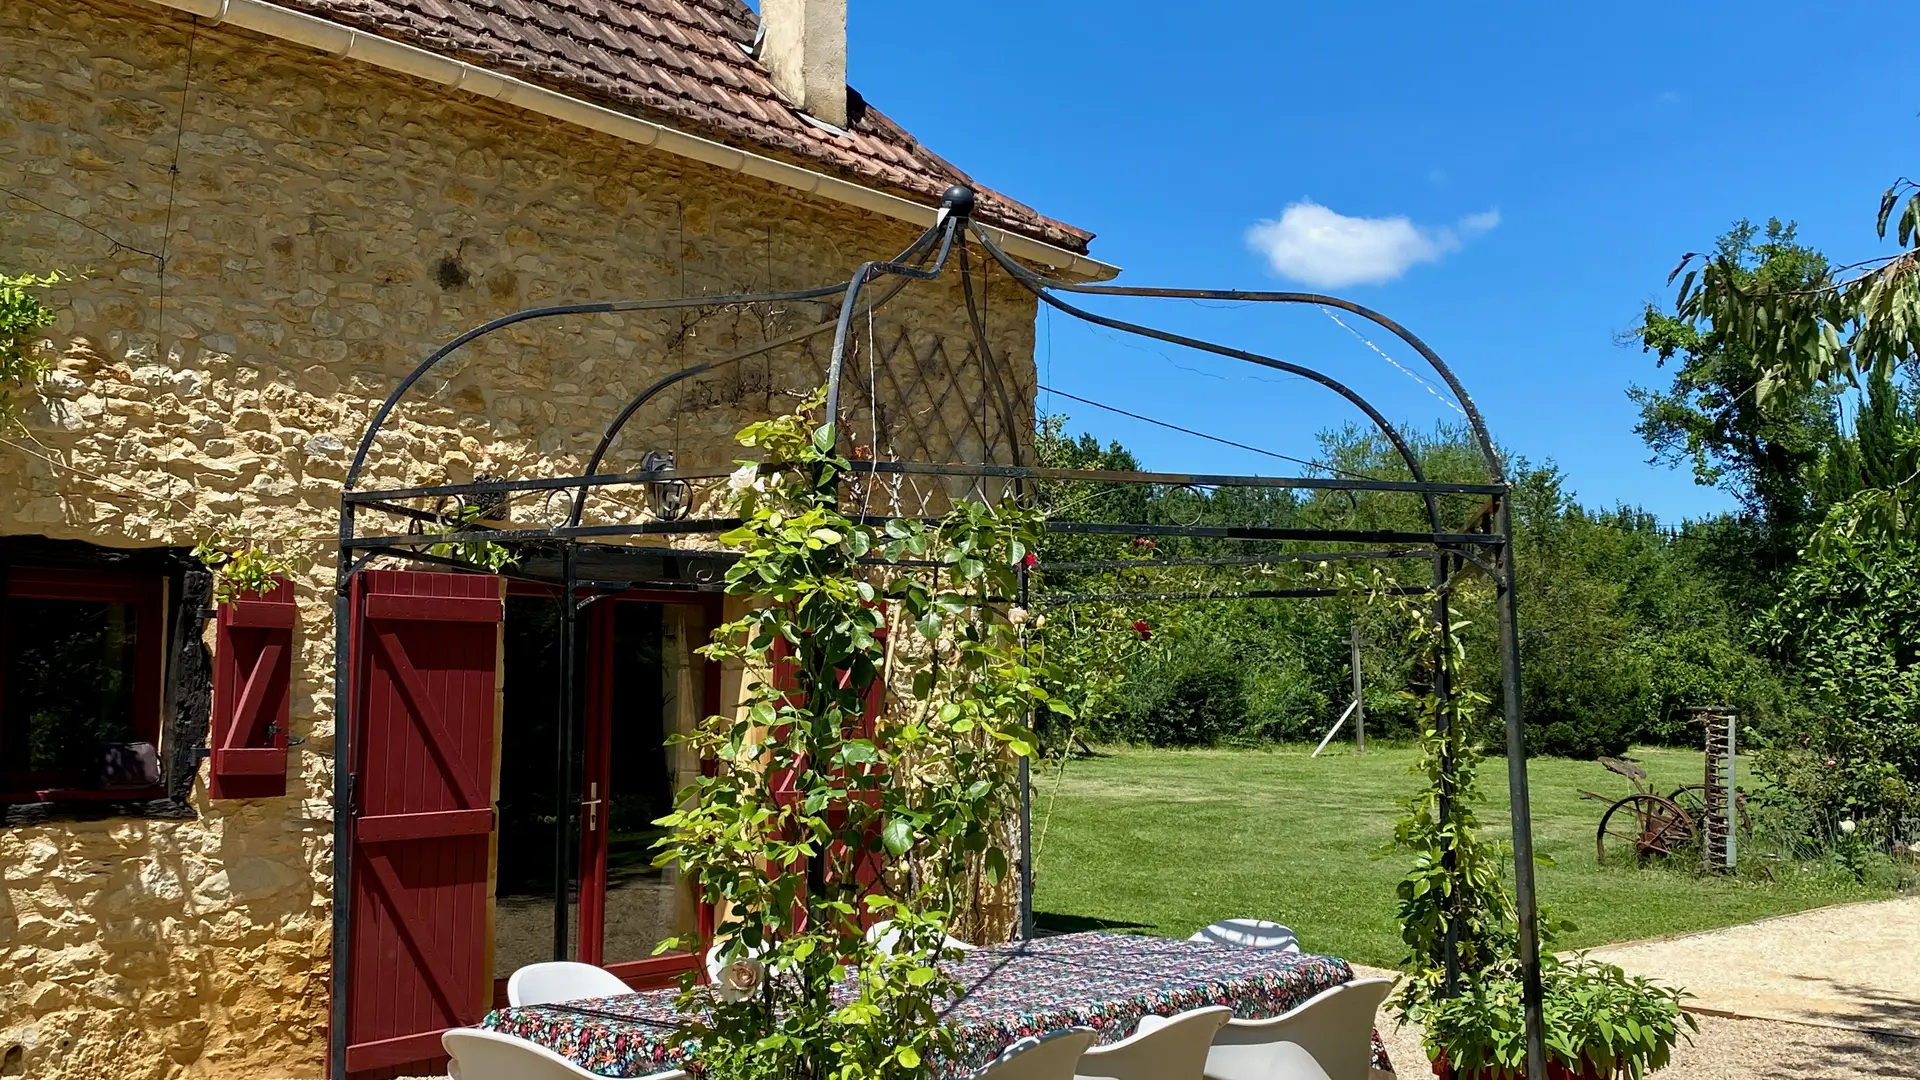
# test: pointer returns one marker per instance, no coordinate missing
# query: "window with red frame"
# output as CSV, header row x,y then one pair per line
x,y
81,660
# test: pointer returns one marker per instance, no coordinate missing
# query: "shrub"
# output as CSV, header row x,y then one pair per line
x,y
1195,695
1849,620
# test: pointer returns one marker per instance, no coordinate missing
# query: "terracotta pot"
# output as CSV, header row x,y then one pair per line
x,y
1555,1071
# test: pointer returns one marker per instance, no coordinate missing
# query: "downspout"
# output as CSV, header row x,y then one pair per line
x,y
351,44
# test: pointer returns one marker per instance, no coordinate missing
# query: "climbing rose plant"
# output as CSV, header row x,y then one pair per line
x,y
22,317
823,816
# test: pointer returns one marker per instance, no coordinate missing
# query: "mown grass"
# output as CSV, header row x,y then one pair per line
x,y
1163,842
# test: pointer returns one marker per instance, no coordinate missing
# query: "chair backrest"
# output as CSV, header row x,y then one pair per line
x,y
562,980
489,1055
1044,1057
1249,934
885,938
1173,1049
1334,1026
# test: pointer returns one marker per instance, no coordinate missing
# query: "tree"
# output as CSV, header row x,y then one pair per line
x,y
1825,329
1765,450
1881,454
1845,617
1823,332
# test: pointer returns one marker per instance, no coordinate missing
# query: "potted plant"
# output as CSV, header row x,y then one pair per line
x,y
1601,1024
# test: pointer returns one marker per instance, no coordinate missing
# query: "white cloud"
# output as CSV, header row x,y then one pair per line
x,y
1321,247
1475,224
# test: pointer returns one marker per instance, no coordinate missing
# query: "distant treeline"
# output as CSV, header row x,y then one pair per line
x,y
1624,625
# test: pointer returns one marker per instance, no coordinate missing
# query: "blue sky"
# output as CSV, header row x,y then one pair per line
x,y
1550,165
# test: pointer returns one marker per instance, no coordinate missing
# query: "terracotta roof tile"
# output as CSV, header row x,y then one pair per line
x,y
678,62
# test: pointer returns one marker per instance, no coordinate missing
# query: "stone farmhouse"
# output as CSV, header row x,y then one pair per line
x,y
267,212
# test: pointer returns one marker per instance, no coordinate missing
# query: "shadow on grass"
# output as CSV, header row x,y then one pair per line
x,y
1052,922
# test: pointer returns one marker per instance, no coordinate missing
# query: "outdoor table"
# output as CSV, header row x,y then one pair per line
x,y
1103,981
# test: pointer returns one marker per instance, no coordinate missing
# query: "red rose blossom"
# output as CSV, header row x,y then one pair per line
x,y
1031,560
1140,627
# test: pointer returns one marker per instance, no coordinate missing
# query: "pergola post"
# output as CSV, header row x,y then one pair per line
x,y
1522,810
338,973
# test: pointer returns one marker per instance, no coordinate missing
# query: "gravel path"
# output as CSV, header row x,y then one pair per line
x,y
1854,966
1822,995
1731,1049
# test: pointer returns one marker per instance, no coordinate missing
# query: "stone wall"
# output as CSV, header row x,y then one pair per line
x,y
326,226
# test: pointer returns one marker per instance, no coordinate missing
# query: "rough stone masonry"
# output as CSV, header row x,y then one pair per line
x,y
327,225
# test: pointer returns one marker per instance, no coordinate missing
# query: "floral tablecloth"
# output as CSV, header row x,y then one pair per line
x,y
1103,981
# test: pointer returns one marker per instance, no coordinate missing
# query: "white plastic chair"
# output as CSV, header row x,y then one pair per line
x,y
1249,934
1173,1049
1040,1057
886,939
562,980
489,1055
1334,1028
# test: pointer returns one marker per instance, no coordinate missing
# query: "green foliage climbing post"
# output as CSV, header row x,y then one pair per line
x,y
823,815
1454,904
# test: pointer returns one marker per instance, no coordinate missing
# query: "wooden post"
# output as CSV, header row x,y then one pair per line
x,y
1359,697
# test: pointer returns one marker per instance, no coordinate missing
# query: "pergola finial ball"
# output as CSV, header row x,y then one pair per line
x,y
958,201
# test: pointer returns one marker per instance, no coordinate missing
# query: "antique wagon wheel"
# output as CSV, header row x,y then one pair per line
x,y
1693,799
1641,826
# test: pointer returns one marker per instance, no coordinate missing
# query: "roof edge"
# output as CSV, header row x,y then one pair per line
x,y
348,43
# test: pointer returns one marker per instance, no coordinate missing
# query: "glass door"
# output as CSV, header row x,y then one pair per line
x,y
536,890
645,685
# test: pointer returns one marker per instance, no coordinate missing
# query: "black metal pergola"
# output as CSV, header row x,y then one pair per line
x,y
922,427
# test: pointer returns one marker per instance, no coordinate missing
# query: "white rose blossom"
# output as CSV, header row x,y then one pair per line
x,y
1016,615
742,478
738,979
1847,826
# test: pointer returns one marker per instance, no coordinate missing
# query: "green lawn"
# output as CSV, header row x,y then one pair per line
x,y
1164,842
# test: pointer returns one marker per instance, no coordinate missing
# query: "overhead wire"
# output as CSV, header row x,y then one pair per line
x,y
1214,438
1403,369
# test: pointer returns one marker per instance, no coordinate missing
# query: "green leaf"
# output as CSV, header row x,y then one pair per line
x,y
897,837
996,866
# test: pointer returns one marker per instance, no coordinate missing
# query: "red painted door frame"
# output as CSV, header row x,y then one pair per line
x,y
596,632
596,786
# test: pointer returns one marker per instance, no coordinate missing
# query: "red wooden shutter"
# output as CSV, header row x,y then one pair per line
x,y
426,651
252,695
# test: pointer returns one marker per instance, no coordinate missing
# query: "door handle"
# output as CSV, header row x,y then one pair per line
x,y
592,805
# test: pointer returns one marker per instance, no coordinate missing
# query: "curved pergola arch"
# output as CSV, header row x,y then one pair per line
x,y
1481,545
